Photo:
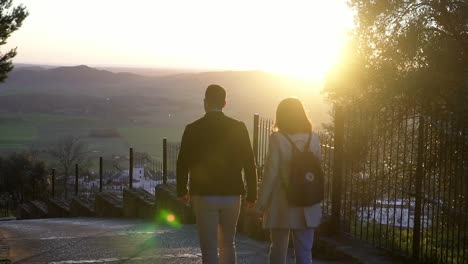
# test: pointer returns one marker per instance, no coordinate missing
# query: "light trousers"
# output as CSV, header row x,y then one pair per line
x,y
216,222
303,240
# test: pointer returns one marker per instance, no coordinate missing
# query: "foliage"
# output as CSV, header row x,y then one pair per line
x,y
23,176
437,244
67,152
406,52
11,19
405,71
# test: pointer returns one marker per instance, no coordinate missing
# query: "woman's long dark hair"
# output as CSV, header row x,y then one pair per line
x,y
291,117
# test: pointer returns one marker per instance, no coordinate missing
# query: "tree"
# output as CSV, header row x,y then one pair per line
x,y
407,63
67,152
11,19
23,177
411,52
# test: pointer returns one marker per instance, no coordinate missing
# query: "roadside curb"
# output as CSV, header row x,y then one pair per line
x,y
7,218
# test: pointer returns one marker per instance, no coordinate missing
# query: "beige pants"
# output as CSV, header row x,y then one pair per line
x,y
216,221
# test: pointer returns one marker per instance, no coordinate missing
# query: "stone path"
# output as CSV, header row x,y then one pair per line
x,y
94,240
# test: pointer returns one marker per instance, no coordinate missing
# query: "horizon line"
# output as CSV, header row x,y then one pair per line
x,y
166,71
133,66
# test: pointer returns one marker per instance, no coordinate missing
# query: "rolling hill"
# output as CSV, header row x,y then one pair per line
x,y
136,102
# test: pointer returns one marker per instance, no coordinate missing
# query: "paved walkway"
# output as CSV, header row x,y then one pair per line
x,y
93,240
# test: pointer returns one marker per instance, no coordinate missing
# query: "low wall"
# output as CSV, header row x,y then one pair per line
x,y
31,210
58,207
108,205
166,199
249,222
138,203
82,207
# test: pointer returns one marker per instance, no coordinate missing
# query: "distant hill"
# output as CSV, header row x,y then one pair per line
x,y
146,71
110,107
39,104
69,80
248,91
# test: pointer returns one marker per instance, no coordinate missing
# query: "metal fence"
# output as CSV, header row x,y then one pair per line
x,y
261,135
153,173
7,206
172,154
398,179
405,183
262,129
395,178
113,174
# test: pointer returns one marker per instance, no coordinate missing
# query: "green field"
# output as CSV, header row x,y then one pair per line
x,y
16,136
19,132
149,139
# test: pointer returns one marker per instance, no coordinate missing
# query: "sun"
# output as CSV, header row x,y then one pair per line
x,y
308,62
301,39
311,37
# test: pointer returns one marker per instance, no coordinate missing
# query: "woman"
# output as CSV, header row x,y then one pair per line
x,y
278,215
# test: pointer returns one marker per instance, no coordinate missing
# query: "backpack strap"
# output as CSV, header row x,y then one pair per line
x,y
309,140
306,146
295,148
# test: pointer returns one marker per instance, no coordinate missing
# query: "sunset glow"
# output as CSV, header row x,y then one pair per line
x,y
298,38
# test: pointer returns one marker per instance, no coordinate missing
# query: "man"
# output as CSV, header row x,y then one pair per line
x,y
213,151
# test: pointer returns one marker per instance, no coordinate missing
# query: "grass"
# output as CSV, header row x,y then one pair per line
x,y
16,136
149,139
19,131
435,245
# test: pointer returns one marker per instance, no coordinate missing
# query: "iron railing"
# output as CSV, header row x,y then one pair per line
x,y
113,174
262,130
7,206
263,127
172,154
395,178
400,181
405,184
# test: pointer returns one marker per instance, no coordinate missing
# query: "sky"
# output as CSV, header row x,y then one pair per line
x,y
300,38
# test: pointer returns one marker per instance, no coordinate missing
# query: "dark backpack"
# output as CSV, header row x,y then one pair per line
x,y
306,180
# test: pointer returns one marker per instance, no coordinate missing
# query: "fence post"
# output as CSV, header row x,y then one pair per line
x,y
255,136
130,171
53,182
100,174
164,160
418,189
76,179
337,178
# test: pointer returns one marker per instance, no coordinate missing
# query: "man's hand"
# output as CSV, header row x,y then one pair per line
x,y
249,205
185,199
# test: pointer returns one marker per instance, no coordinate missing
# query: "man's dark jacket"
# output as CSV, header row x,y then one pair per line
x,y
214,150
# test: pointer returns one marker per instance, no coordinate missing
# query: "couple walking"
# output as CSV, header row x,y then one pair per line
x,y
214,151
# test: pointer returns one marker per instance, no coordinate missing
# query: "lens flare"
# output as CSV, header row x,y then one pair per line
x,y
170,218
